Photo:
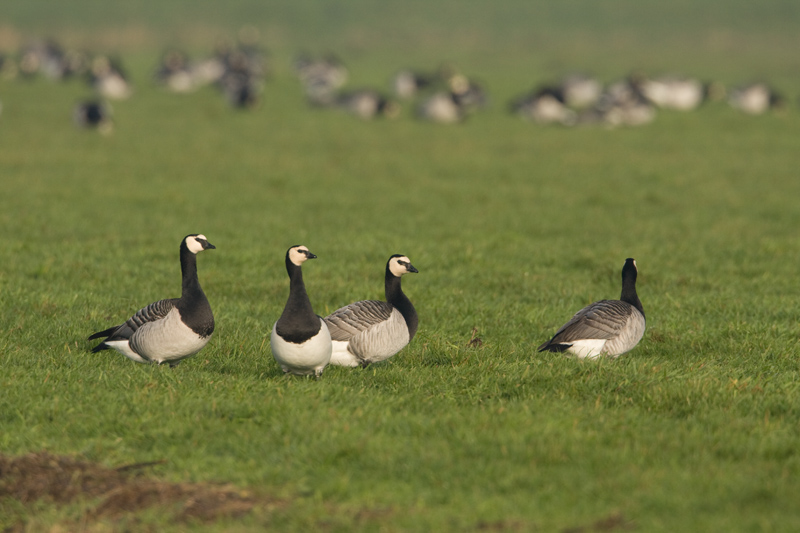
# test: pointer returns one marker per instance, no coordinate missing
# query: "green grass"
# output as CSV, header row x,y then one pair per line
x,y
513,228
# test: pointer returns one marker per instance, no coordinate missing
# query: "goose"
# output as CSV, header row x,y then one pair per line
x,y
545,106
673,92
167,331
93,114
370,331
440,107
407,83
108,79
174,72
367,104
607,327
580,91
301,342
755,98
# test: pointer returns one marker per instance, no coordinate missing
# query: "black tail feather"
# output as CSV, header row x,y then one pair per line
x,y
100,347
554,347
104,333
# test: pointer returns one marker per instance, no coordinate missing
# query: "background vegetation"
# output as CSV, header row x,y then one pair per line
x,y
513,227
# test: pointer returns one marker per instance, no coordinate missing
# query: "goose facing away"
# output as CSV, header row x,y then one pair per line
x,y
607,327
370,331
167,331
301,343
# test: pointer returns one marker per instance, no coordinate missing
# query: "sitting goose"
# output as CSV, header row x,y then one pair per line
x,y
607,327
167,330
370,331
300,340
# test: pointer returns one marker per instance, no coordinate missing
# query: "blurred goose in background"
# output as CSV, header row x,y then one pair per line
x,y
370,331
580,91
321,78
51,60
673,92
300,340
544,106
174,72
607,327
93,114
466,93
367,104
755,98
241,90
621,104
167,331
407,83
108,79
440,107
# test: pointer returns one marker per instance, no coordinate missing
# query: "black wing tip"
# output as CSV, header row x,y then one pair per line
x,y
100,347
558,348
104,333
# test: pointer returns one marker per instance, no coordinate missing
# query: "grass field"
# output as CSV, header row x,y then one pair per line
x,y
513,227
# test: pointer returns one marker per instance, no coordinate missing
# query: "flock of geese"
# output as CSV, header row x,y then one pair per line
x,y
356,335
443,95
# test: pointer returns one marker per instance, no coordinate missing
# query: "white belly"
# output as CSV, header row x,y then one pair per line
x,y
307,358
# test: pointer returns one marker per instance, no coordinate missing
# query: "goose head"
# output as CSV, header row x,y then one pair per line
x,y
399,265
299,254
197,242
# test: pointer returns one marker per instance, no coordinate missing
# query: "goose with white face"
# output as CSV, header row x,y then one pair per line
x,y
169,330
198,243
299,255
400,266
370,331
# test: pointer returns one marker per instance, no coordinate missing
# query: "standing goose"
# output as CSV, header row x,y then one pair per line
x,y
607,327
300,340
167,330
370,331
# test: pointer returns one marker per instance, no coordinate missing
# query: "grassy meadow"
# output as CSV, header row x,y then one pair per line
x,y
513,227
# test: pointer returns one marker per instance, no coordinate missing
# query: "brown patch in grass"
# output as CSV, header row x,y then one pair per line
x,y
119,492
614,522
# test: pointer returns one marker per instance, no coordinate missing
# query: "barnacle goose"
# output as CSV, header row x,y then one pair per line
x,y
301,343
607,327
167,330
93,114
370,331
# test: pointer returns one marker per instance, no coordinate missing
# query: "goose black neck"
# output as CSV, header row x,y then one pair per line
x,y
190,283
193,305
398,299
298,322
629,288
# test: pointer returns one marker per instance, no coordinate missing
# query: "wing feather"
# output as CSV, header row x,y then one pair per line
x,y
151,313
350,320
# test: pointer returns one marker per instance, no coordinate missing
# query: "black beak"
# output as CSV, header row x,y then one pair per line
x,y
310,255
411,268
207,245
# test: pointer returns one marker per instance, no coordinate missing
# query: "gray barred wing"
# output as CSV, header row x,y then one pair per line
x,y
352,319
601,320
154,311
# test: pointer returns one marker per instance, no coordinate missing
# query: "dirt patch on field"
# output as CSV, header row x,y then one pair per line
x,y
615,522
114,492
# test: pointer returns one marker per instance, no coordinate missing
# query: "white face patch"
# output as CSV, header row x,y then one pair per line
x,y
396,268
297,256
193,245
